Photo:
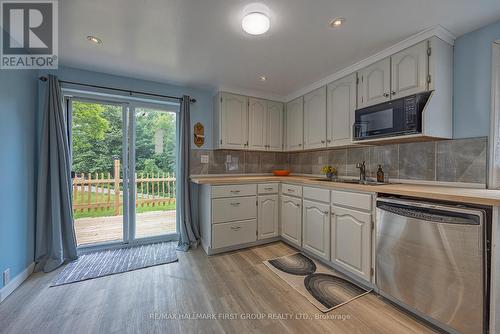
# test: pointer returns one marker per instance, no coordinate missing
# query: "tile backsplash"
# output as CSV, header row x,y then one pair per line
x,y
459,160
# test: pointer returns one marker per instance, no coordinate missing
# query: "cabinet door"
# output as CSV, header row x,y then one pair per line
x,y
374,83
316,229
234,121
274,126
351,241
315,119
257,124
409,71
294,124
340,113
267,216
291,219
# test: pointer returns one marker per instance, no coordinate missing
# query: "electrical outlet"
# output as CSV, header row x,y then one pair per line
x,y
6,277
228,159
204,159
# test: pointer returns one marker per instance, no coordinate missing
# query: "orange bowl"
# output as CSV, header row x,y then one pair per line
x,y
281,172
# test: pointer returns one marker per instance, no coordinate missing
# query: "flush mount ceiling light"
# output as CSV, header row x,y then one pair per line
x,y
262,78
94,39
256,23
337,22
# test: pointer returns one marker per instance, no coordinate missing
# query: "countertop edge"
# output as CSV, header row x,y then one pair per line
x,y
456,194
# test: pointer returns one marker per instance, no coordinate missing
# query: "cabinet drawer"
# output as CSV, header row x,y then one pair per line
x,y
354,200
232,209
268,188
317,194
291,190
234,190
235,233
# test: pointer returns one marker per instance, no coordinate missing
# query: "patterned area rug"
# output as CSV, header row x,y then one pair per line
x,y
324,288
115,261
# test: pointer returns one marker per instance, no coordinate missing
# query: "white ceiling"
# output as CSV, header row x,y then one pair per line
x,y
200,42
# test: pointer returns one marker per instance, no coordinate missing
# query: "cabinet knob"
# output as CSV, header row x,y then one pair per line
x,y
328,141
386,94
326,212
322,142
300,144
393,93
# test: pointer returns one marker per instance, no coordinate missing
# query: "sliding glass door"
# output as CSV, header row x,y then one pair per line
x,y
124,165
153,160
98,132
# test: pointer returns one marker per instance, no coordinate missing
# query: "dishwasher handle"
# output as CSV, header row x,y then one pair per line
x,y
430,214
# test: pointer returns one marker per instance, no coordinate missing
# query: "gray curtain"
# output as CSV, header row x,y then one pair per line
x,y
55,241
189,230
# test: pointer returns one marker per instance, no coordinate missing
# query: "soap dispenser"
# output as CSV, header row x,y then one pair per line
x,y
380,174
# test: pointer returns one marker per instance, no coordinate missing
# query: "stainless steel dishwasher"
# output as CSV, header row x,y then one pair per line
x,y
432,259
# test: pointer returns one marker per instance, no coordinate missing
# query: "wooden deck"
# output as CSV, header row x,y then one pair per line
x,y
103,229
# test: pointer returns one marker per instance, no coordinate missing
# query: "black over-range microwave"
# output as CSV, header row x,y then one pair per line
x,y
398,117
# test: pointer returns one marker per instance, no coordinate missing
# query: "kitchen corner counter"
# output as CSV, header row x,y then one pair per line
x,y
455,194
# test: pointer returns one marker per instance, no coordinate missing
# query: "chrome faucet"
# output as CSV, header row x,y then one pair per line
x,y
362,171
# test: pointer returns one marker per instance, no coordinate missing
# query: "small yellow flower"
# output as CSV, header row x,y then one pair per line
x,y
329,170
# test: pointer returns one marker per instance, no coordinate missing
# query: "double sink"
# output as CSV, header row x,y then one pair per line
x,y
352,181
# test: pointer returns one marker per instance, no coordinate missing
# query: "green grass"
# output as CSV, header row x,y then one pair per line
x,y
93,213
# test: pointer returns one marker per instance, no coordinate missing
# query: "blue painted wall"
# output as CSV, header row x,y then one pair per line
x,y
472,82
18,96
201,111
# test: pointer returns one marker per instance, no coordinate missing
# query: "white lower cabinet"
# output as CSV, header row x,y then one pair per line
x,y
351,240
267,216
316,228
291,219
233,233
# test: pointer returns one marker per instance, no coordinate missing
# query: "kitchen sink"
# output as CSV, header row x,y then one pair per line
x,y
352,181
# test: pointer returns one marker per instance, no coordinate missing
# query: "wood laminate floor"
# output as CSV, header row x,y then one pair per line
x,y
150,300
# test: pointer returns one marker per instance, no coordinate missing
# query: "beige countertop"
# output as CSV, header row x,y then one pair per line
x,y
464,195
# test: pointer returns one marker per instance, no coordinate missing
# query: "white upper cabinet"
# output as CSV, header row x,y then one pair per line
x,y
341,102
374,83
316,228
246,123
294,124
409,71
274,126
314,119
257,124
231,121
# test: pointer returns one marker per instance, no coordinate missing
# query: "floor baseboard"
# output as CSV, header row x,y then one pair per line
x,y
16,282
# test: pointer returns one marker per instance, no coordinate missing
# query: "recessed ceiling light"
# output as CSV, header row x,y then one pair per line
x,y
262,78
94,39
337,22
256,23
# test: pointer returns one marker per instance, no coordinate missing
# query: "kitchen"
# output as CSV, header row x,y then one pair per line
x,y
222,166
387,210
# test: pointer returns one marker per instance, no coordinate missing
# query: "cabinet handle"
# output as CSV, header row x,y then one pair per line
x,y
393,93
235,203
386,94
290,190
326,212
268,188
234,191
235,228
297,205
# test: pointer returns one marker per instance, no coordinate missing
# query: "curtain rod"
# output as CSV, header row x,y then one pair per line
x,y
120,90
